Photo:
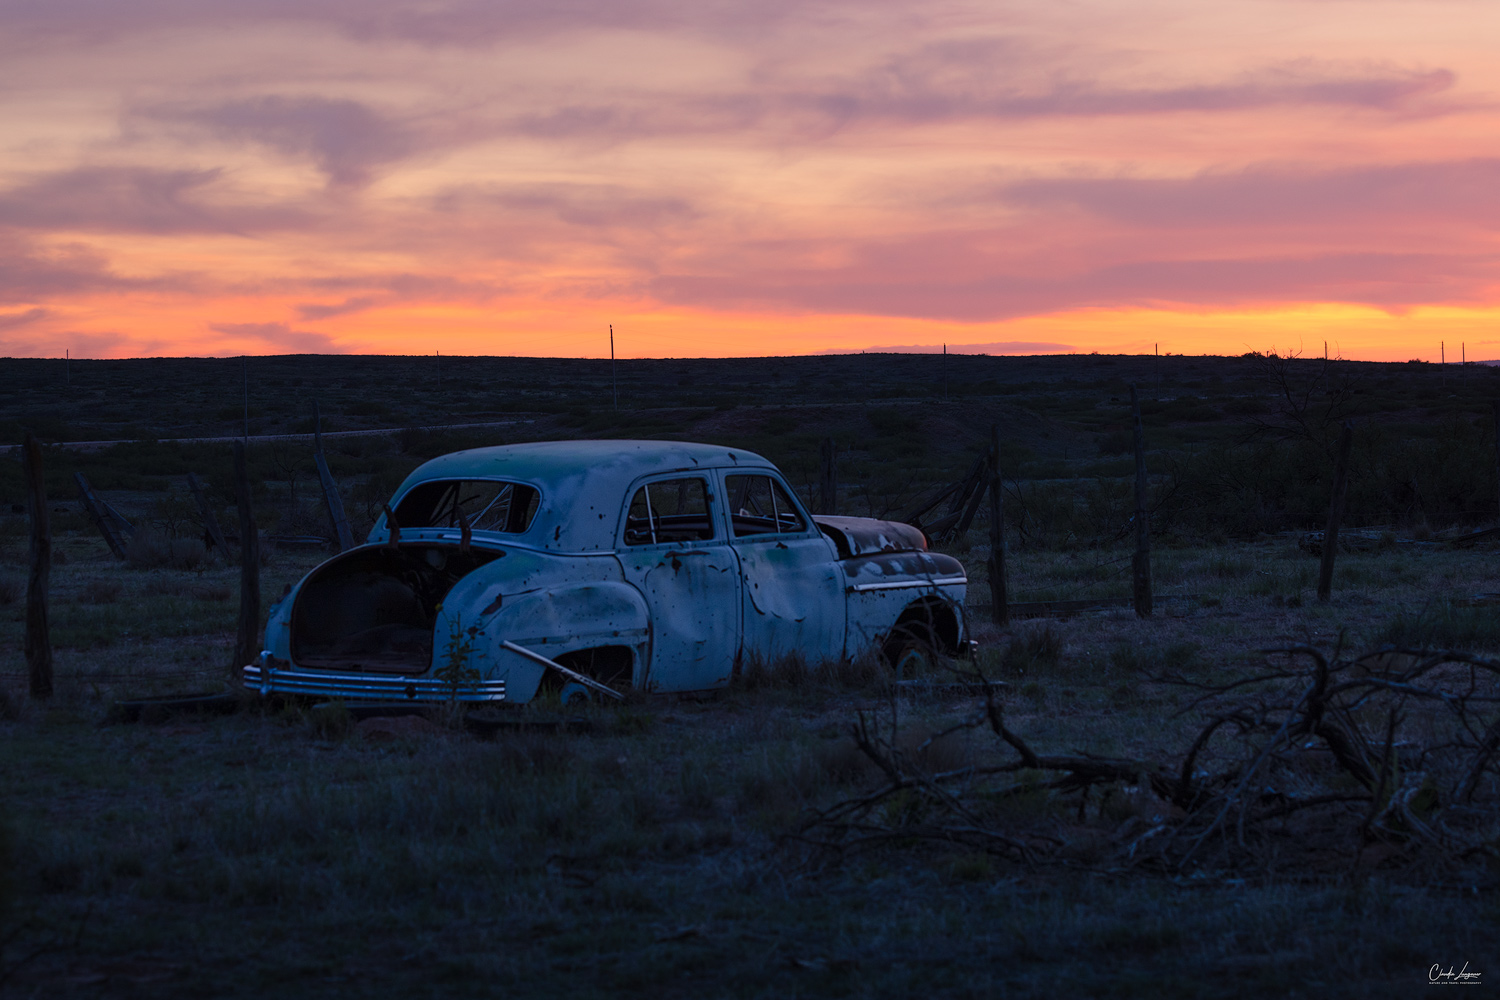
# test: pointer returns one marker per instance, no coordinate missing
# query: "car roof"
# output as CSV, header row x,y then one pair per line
x,y
582,483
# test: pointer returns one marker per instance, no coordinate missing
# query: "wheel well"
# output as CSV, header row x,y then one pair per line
x,y
932,619
613,666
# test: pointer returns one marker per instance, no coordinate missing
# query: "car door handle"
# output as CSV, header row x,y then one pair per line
x,y
674,559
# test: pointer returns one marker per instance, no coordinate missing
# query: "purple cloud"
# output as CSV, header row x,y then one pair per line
x,y
280,337
1465,192
346,140
9,321
29,274
459,23
995,347
351,305
591,205
975,78
955,287
133,199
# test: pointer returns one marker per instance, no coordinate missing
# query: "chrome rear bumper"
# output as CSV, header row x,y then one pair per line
x,y
368,687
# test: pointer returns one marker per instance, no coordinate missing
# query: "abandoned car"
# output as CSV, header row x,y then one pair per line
x,y
588,568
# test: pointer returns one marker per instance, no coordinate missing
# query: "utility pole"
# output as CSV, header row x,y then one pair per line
x,y
614,383
245,368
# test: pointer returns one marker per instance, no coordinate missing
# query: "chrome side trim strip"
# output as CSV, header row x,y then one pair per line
x,y
950,581
373,687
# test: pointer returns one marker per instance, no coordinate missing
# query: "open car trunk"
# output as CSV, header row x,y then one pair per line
x,y
375,609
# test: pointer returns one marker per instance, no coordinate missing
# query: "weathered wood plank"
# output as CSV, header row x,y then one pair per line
x,y
210,520
996,566
247,641
102,521
1140,563
38,635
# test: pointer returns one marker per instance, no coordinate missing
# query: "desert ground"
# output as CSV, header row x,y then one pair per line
x,y
704,846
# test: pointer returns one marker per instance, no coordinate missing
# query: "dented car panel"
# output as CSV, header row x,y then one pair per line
x,y
501,573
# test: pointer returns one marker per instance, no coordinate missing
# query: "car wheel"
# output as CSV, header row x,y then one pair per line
x,y
574,695
911,654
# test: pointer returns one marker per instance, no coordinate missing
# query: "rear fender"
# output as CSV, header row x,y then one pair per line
x,y
554,621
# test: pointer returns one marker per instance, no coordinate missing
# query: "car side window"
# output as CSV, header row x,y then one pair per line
x,y
673,510
759,505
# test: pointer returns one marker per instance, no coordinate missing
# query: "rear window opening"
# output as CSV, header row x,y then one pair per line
x,y
376,610
487,504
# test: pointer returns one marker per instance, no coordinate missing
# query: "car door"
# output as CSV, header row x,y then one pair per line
x,y
672,547
792,589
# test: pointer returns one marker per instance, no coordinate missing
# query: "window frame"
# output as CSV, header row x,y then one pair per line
x,y
711,488
809,528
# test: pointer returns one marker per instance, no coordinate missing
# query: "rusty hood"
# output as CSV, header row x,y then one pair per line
x,y
866,536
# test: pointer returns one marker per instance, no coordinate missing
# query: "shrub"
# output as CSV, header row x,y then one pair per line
x,y
1443,627
99,590
152,550
1151,658
1033,648
784,672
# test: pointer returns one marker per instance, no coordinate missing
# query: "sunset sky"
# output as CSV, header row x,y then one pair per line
x,y
726,178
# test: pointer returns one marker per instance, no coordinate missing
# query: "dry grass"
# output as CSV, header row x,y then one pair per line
x,y
12,588
152,550
292,853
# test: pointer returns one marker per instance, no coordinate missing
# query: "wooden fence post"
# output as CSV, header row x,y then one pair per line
x,y
971,509
1335,513
828,487
999,598
1495,405
247,642
101,520
1141,564
342,536
210,521
38,638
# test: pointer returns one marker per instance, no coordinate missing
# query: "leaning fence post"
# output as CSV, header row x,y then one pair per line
x,y
210,522
247,642
1141,564
38,638
1335,513
342,536
999,599
828,487
101,520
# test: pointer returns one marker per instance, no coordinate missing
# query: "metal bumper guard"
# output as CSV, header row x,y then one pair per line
x,y
367,687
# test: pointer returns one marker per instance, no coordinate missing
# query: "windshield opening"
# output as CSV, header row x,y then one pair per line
x,y
487,505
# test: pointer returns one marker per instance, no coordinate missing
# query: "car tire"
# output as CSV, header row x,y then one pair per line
x,y
911,653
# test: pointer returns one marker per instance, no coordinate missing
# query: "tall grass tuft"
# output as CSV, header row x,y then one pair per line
x,y
1153,658
99,590
152,550
12,586
1443,626
1033,648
